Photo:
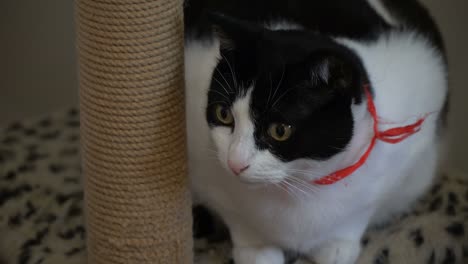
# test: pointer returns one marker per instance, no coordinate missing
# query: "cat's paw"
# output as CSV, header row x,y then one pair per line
x,y
265,255
337,252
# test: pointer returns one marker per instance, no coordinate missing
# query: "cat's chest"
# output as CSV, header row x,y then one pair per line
x,y
285,218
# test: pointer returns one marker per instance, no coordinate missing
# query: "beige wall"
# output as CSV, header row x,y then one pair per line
x,y
37,62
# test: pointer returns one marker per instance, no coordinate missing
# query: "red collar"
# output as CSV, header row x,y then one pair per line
x,y
392,136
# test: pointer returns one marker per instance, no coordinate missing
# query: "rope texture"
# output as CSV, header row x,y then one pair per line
x,y
133,131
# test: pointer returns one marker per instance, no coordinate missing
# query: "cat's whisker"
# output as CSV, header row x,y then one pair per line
x,y
298,191
285,186
213,150
224,78
314,164
294,187
306,173
214,91
304,193
282,95
336,148
305,183
279,83
234,79
216,80
218,102
269,92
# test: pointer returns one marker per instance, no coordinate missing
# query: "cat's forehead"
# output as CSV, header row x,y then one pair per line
x,y
246,70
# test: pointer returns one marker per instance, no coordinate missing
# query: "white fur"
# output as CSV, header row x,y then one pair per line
x,y
325,222
241,141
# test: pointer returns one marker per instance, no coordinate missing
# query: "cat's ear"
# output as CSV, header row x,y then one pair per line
x,y
233,32
338,73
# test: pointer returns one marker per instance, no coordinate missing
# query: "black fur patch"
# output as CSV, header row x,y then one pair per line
x,y
284,67
326,17
416,15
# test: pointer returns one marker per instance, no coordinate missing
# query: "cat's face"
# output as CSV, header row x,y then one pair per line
x,y
278,106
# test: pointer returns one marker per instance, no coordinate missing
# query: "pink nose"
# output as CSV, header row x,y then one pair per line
x,y
237,168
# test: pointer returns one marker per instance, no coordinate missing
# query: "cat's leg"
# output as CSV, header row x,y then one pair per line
x,y
248,249
344,246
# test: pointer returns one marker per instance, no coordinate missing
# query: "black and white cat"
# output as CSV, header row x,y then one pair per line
x,y
286,104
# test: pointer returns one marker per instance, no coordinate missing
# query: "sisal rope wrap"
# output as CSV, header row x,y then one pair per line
x,y
133,131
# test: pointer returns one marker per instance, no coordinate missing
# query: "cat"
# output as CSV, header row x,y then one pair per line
x,y
285,100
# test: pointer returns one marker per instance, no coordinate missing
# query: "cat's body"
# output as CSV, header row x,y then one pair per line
x,y
269,200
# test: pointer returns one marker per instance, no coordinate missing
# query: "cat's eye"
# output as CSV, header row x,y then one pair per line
x,y
224,115
280,132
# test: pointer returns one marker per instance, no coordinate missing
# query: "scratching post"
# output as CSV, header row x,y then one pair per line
x,y
133,131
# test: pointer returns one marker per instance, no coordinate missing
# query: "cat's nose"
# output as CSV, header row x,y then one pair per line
x,y
237,168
